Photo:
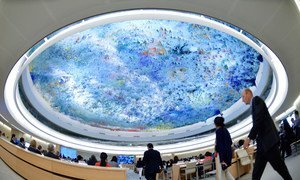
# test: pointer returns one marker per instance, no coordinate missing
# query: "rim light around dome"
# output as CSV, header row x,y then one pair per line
x,y
27,121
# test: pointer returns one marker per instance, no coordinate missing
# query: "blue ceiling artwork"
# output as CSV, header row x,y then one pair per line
x,y
144,75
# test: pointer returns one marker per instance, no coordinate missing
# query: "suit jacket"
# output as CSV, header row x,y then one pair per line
x,y
223,145
297,128
51,155
32,149
263,130
152,161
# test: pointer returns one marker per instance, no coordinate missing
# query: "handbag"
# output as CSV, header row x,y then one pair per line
x,y
224,166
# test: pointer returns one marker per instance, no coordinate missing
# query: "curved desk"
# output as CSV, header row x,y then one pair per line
x,y
33,166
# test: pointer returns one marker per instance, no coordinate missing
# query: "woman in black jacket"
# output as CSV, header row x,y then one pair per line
x,y
223,148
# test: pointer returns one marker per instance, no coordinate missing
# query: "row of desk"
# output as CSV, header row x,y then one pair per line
x,y
236,168
180,167
34,166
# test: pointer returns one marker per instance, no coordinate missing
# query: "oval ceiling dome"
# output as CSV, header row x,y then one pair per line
x,y
144,75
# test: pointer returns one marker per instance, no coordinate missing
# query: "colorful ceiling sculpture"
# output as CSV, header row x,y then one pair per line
x,y
144,75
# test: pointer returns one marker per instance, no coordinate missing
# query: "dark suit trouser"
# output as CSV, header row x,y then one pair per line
x,y
150,176
273,157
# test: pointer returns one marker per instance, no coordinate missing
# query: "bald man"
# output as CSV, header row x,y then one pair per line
x,y
266,135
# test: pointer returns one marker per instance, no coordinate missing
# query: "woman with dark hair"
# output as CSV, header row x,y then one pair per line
x,y
13,139
22,143
241,143
223,149
92,160
114,162
103,160
176,159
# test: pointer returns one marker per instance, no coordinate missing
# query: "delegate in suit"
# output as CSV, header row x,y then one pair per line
x,y
152,161
267,138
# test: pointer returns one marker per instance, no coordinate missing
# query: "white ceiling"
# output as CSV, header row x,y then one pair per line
x,y
275,22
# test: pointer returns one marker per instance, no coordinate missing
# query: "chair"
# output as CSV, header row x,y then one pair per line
x,y
207,166
166,174
169,173
243,158
160,176
191,169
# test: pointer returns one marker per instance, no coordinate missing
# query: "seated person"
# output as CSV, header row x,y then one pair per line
x,y
22,143
241,143
80,160
207,156
40,148
92,161
201,156
57,153
13,139
32,147
50,152
176,159
170,163
114,162
103,160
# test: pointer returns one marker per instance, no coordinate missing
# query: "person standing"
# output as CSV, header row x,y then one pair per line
x,y
139,166
282,142
289,137
223,148
296,125
266,136
152,162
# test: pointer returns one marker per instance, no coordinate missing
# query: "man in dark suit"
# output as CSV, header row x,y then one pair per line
x,y
266,135
152,162
296,125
